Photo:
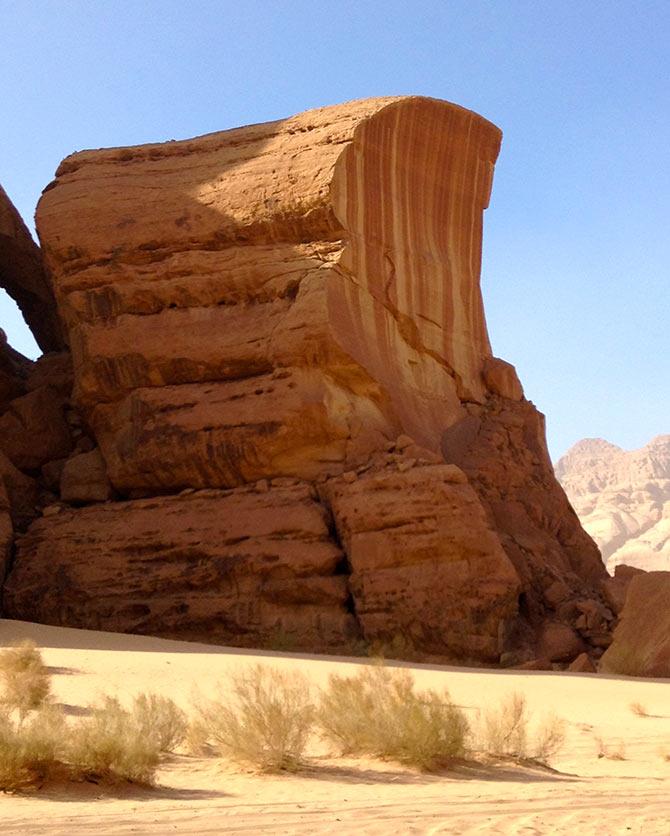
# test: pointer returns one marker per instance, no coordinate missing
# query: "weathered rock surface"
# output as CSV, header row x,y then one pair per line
x,y
237,566
622,499
408,534
318,278
289,316
83,479
641,645
23,276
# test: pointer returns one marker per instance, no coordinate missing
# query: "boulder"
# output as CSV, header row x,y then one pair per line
x,y
559,643
84,479
33,429
641,645
425,562
230,567
582,664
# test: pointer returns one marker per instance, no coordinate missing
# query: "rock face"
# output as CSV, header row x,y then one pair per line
x,y
641,645
622,499
22,275
287,319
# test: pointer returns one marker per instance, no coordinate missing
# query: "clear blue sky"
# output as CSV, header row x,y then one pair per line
x,y
576,270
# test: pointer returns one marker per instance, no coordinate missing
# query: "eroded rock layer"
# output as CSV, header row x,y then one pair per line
x,y
288,317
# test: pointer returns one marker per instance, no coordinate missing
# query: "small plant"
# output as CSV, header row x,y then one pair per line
x,y
639,709
161,720
379,713
31,748
504,732
24,679
265,722
613,752
113,744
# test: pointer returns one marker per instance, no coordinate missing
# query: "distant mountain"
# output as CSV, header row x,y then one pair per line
x,y
622,499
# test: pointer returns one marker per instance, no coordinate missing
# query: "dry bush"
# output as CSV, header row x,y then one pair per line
x,y
112,744
264,721
160,719
504,732
24,678
639,709
377,712
31,748
611,751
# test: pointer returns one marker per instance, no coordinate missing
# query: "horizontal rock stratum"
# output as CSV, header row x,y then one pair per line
x,y
280,350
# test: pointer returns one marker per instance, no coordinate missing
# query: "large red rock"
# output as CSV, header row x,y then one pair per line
x,y
298,300
241,567
23,276
425,564
318,278
641,645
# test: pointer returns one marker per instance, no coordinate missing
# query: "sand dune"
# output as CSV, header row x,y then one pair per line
x,y
584,795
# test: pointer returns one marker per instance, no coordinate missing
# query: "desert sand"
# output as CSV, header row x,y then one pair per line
x,y
582,794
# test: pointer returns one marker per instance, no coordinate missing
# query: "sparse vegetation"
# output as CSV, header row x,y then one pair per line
x,y
611,751
504,732
264,722
160,719
639,709
31,748
24,678
37,741
113,744
378,712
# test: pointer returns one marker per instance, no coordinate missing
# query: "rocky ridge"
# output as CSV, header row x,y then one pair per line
x,y
622,499
283,421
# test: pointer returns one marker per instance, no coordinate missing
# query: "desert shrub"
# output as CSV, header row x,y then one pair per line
x,y
112,744
264,721
378,712
31,748
612,751
24,679
160,719
639,709
504,732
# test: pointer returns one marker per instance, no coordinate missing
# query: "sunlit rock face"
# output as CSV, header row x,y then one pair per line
x,y
622,499
277,299
280,350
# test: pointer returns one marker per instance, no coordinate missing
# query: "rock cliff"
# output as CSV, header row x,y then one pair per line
x,y
622,499
286,422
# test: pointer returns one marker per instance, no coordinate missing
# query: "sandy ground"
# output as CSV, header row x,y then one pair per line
x,y
584,795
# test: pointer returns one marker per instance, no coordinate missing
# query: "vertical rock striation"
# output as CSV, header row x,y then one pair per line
x,y
287,319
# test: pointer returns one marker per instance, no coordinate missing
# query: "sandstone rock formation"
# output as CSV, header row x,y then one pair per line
x,y
622,499
22,275
287,419
641,645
